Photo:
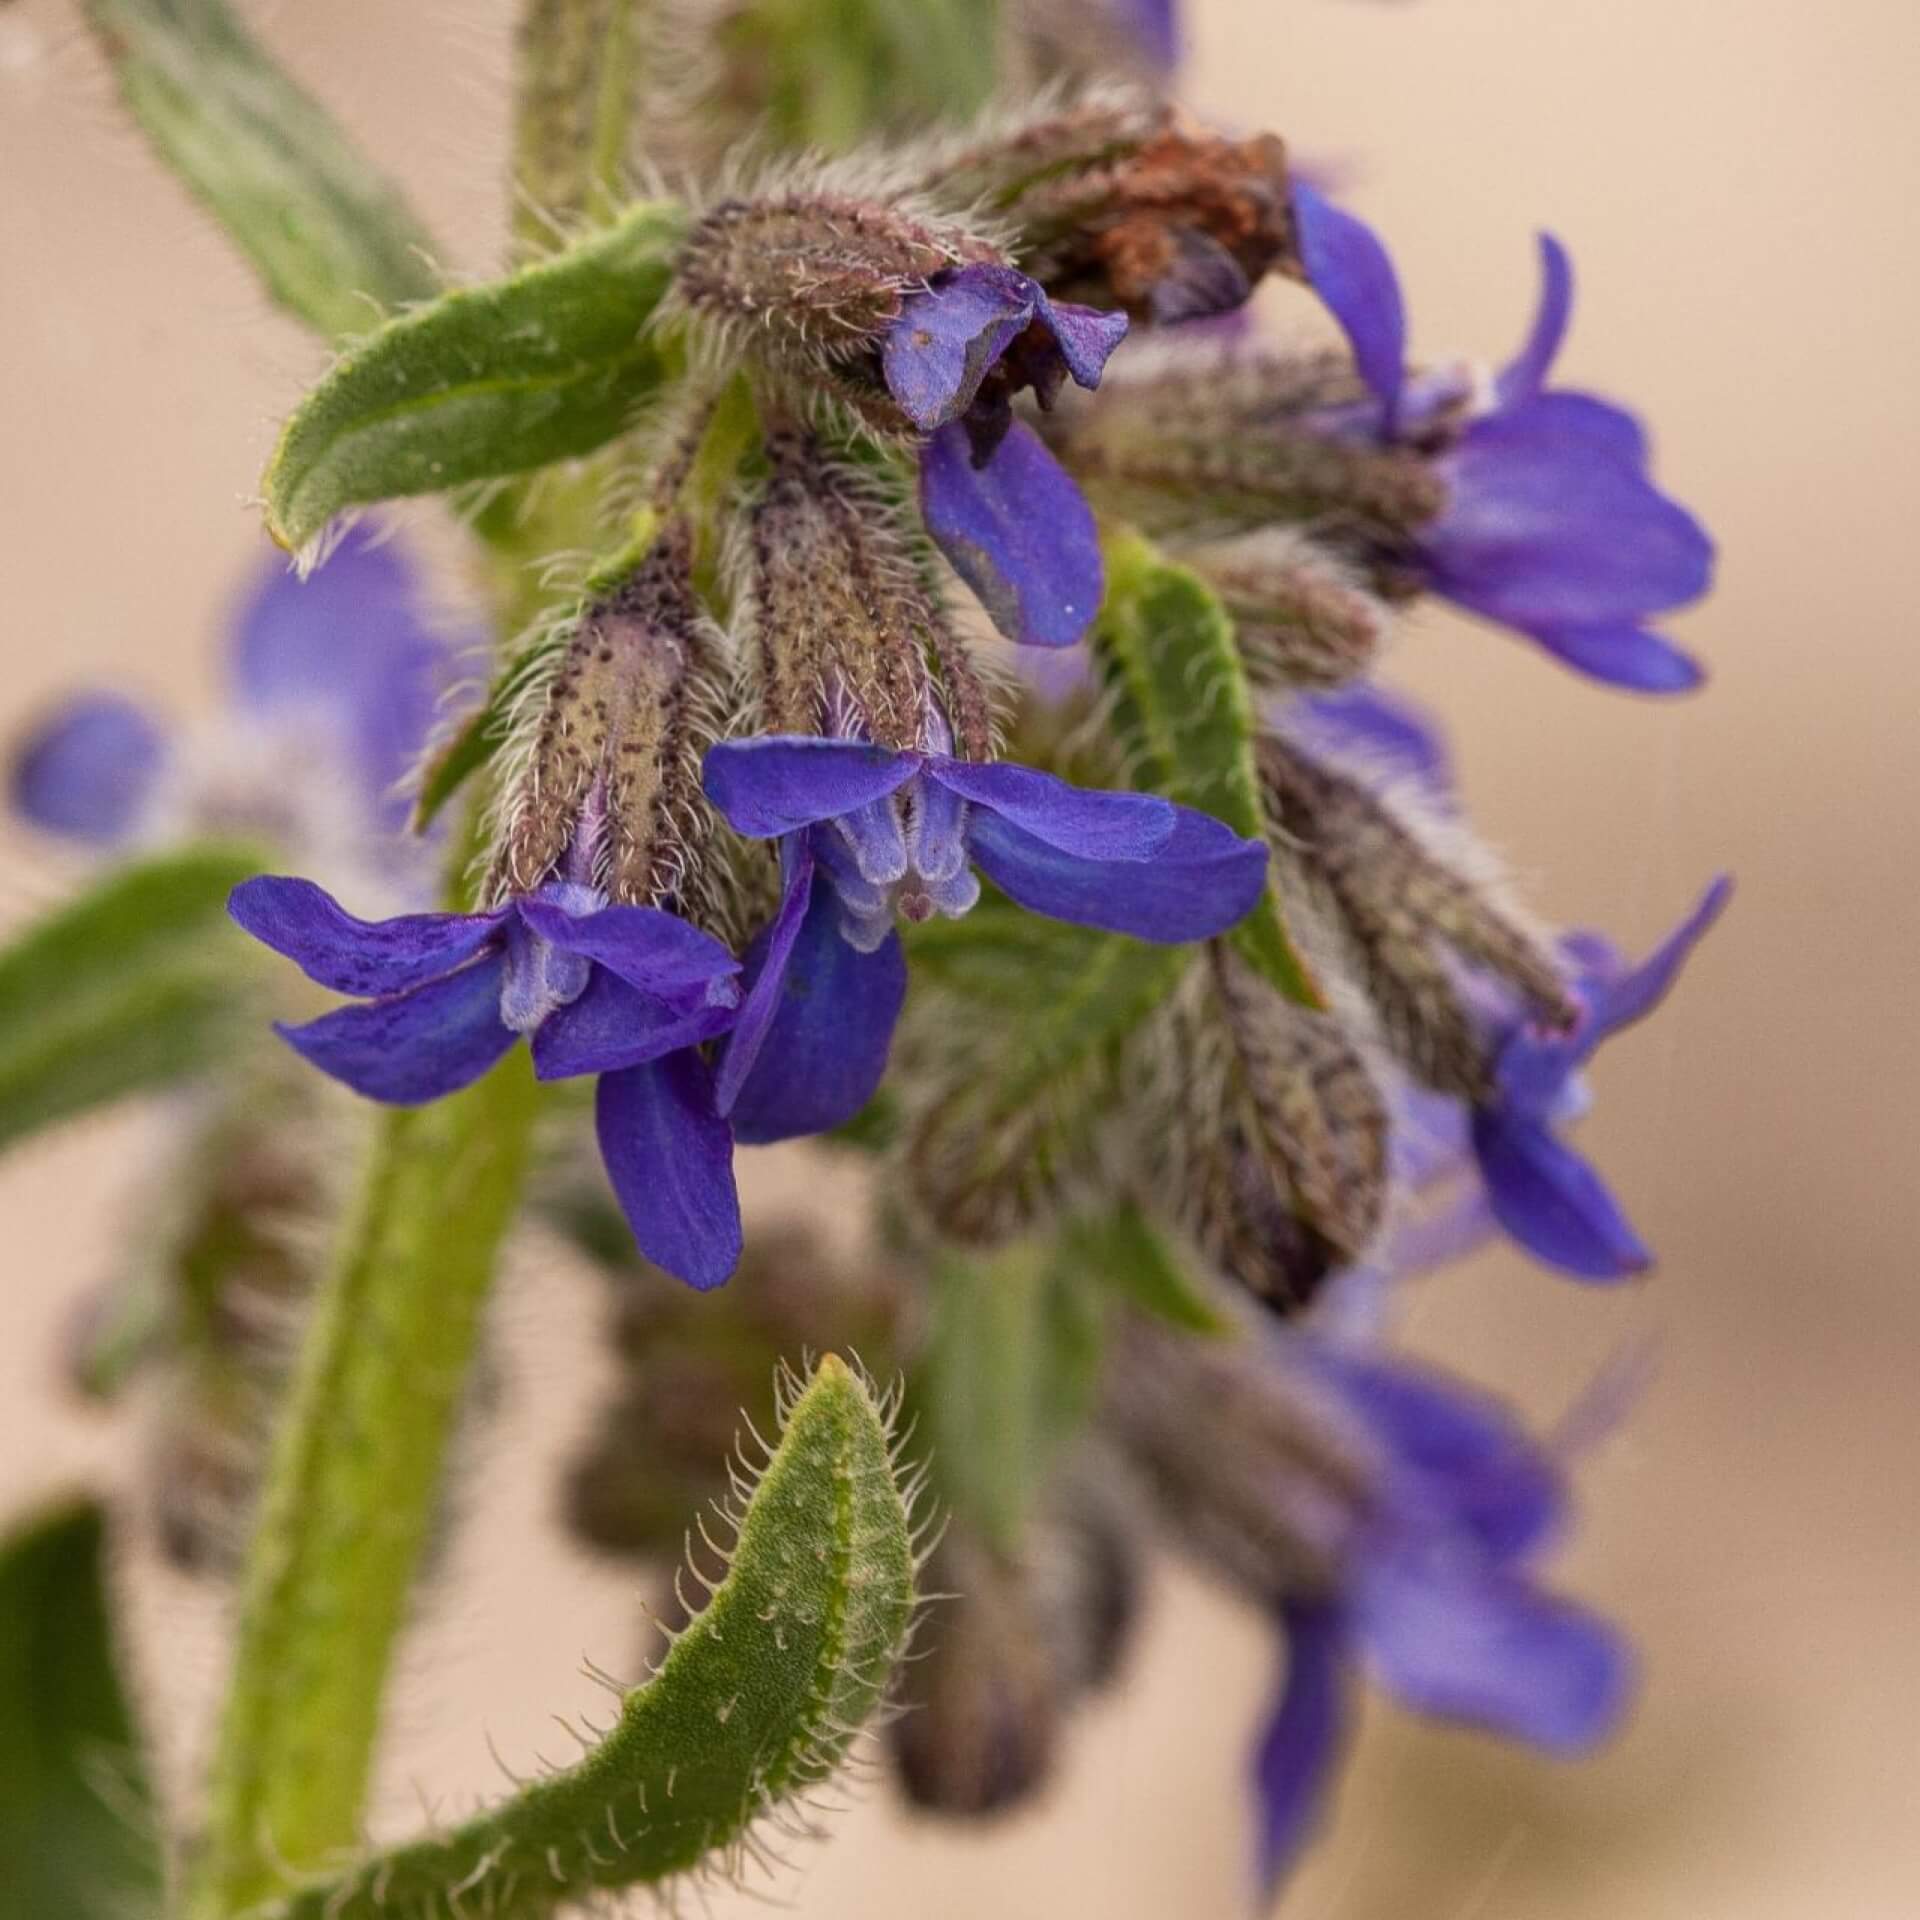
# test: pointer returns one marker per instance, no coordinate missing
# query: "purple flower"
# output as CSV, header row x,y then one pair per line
x,y
627,993
1156,25
1553,525
996,501
868,833
1429,1587
333,685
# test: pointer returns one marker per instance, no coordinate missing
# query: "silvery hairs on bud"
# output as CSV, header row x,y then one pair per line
x,y
1260,1124
604,764
1411,897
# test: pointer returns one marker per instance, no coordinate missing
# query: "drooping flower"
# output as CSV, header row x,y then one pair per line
x,y
627,993
1521,1175
1552,524
332,688
994,498
1429,1589
868,833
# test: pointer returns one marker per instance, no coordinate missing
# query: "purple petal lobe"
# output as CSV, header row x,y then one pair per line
x,y
1087,338
1460,1457
1204,880
1300,1745
669,1156
1585,420
1491,1650
1156,23
1377,727
1631,995
88,769
766,972
364,957
1094,824
948,339
826,1051
1526,373
785,781
1623,656
1552,1202
655,951
349,643
1352,273
614,1025
419,1046
1017,531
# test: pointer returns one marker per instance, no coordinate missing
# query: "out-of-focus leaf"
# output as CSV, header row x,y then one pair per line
x,y
1165,643
1125,1252
76,1818
545,365
137,983
332,239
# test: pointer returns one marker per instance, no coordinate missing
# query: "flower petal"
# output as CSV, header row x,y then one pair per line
x,y
1584,419
613,1025
1294,1764
654,951
348,642
1017,531
784,781
1490,1649
364,957
1620,1001
1156,25
766,971
1204,880
669,1156
1522,378
417,1047
1353,274
1552,1202
1376,727
1095,824
1088,337
1460,1458
826,1049
948,338
88,769
1623,656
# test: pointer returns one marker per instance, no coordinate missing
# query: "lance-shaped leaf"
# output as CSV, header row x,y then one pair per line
x,y
328,234
1006,1378
1012,1048
545,365
756,1701
1165,643
137,983
76,1817
1125,1252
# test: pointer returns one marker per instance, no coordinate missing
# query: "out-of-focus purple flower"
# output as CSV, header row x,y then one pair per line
x,y
1429,1587
868,833
1156,25
333,684
995,500
623,992
1553,525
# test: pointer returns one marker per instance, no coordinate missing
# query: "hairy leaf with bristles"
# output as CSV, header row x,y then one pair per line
x,y
757,1700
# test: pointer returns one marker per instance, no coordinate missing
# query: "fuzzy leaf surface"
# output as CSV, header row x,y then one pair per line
x,y
75,1807
757,1700
545,365
138,983
329,235
1165,642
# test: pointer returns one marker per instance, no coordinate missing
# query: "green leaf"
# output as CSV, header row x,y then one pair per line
x,y
76,1816
1015,1037
498,379
1165,643
1005,1380
138,983
756,1701
1124,1251
330,236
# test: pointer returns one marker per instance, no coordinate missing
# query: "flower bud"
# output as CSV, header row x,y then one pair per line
x,y
608,795
1407,917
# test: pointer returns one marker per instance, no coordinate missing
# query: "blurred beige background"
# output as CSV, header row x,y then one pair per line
x,y
1736,179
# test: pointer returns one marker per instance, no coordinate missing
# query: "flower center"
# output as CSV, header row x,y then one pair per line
x,y
540,977
904,856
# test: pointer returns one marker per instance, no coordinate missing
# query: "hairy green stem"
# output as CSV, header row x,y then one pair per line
x,y
352,1487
